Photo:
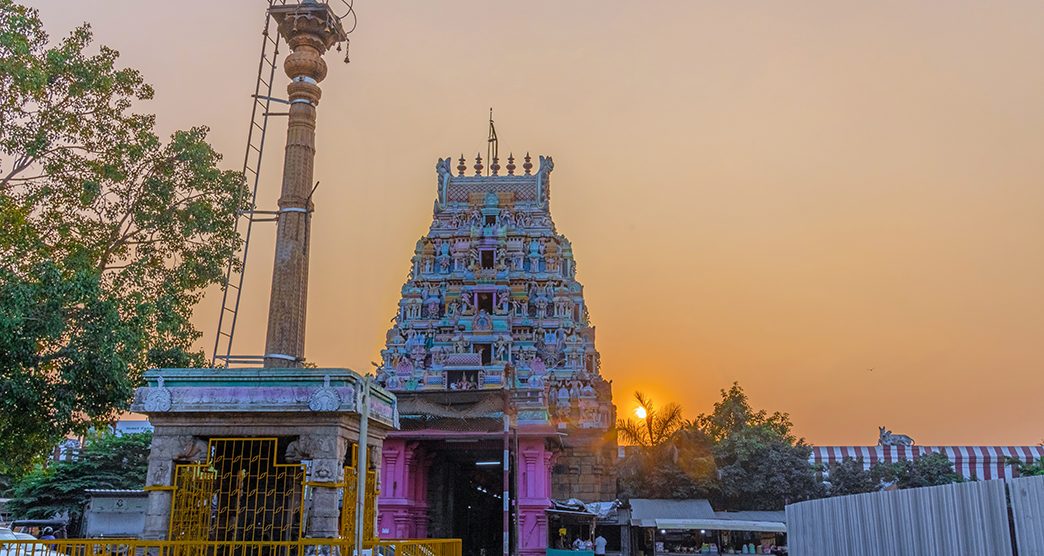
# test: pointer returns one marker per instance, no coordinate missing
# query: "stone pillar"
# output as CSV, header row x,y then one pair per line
x,y
534,495
310,29
326,473
164,453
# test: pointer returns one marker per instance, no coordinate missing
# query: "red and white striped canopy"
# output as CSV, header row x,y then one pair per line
x,y
971,462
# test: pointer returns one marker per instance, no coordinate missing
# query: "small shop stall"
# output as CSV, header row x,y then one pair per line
x,y
572,519
682,527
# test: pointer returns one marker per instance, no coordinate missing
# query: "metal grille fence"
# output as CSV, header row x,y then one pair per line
x,y
348,504
302,547
240,493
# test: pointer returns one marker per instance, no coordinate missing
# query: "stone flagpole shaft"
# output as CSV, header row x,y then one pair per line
x,y
310,29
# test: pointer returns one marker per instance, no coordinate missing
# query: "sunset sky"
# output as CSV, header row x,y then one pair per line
x,y
784,194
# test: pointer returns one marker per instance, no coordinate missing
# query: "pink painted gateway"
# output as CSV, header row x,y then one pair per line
x,y
492,357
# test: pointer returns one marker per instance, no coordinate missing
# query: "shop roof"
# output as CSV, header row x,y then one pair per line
x,y
646,511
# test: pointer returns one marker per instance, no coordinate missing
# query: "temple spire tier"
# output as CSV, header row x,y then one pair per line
x,y
492,301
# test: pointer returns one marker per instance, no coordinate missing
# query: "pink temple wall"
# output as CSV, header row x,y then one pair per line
x,y
403,504
534,495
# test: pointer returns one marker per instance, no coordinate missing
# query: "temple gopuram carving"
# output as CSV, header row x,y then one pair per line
x,y
492,347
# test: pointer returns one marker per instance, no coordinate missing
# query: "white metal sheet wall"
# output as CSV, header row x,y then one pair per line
x,y
965,518
1027,510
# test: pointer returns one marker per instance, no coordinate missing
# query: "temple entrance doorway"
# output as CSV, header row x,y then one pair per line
x,y
465,495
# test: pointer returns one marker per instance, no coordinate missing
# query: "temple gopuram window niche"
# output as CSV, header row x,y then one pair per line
x,y
493,346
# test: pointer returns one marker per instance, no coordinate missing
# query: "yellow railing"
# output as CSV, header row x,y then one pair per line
x,y
302,547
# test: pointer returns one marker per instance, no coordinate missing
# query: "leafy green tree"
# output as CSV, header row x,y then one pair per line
x,y
761,464
760,469
734,413
850,476
107,461
108,236
1028,469
928,470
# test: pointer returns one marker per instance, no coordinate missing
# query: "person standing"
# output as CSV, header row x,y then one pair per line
x,y
599,545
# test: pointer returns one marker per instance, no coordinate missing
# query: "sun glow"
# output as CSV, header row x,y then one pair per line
x,y
640,412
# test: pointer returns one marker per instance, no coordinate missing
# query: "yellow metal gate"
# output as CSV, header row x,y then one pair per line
x,y
348,503
240,493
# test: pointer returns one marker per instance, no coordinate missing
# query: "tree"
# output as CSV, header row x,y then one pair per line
x,y
850,476
928,470
1028,469
655,428
761,464
734,413
667,461
108,236
760,469
682,467
107,461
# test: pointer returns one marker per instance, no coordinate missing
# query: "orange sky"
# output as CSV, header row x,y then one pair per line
x,y
784,194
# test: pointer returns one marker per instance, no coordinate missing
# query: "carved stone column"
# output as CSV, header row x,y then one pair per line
x,y
325,475
164,454
310,29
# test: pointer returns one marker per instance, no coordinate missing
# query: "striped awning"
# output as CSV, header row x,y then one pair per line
x,y
978,462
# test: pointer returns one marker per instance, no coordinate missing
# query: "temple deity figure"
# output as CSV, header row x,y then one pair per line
x,y
501,349
460,344
534,248
483,321
503,301
433,308
507,218
467,303
541,308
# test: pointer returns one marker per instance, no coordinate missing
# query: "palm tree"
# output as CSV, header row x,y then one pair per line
x,y
656,427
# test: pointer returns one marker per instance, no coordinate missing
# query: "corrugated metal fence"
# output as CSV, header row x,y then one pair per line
x,y
1027,510
964,518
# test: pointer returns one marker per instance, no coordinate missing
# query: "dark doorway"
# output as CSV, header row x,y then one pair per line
x,y
487,353
487,258
465,491
485,302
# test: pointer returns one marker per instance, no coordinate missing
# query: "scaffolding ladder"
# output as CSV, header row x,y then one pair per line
x,y
235,271
232,286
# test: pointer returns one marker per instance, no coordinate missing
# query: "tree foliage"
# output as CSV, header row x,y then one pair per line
x,y
105,462
737,457
657,426
1028,469
108,235
927,470
734,413
761,464
850,476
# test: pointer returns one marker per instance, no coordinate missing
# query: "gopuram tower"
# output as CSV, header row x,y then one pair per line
x,y
492,352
